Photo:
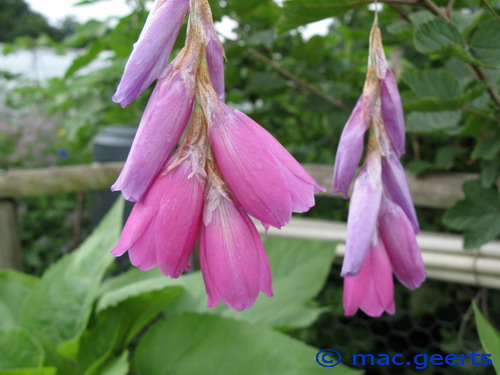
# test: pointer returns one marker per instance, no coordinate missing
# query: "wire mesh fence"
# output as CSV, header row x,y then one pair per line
x,y
435,319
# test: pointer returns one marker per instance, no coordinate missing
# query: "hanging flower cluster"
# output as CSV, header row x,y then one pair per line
x,y
382,223
227,166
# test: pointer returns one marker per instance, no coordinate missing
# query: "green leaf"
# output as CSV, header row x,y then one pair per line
x,y
489,172
222,346
486,148
423,122
300,12
436,35
58,309
436,83
117,366
437,90
30,371
117,326
478,214
14,289
485,42
489,336
19,350
300,269
90,55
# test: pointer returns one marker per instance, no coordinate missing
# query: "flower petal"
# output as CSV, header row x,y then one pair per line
x,y
372,290
363,212
137,237
233,260
400,242
178,219
392,112
350,149
215,61
162,124
250,169
394,180
152,50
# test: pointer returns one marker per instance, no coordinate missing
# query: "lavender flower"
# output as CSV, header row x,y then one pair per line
x,y
382,223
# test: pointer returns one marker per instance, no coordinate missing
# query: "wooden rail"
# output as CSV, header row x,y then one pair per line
x,y
436,191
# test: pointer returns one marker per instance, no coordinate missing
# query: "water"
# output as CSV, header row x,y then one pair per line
x,y
43,62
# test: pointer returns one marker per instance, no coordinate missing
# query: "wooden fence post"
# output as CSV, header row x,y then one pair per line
x,y
10,240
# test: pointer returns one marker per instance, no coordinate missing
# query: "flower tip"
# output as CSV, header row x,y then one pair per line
x,y
319,189
350,273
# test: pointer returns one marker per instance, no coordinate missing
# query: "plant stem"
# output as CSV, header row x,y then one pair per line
x,y
488,5
276,66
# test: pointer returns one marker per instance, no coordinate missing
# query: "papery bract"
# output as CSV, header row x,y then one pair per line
x,y
233,260
350,148
400,241
372,290
161,230
363,212
162,124
151,51
265,178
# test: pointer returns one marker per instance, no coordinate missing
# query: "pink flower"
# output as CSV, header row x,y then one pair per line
x,y
372,290
162,124
151,52
162,229
233,260
268,182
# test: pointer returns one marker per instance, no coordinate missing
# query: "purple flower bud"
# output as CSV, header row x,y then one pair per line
x,y
151,51
394,180
350,149
215,61
164,119
363,213
400,241
392,112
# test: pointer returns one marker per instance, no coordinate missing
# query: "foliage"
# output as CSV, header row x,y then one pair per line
x,y
490,337
74,320
18,20
303,89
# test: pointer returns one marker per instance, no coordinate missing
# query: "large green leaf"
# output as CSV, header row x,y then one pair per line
x,y
485,42
59,307
117,326
489,336
19,350
478,214
300,269
192,344
14,289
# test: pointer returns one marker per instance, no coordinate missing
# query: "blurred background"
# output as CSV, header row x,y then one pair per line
x,y
297,68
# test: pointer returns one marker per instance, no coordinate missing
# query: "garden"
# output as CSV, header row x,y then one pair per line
x,y
162,165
